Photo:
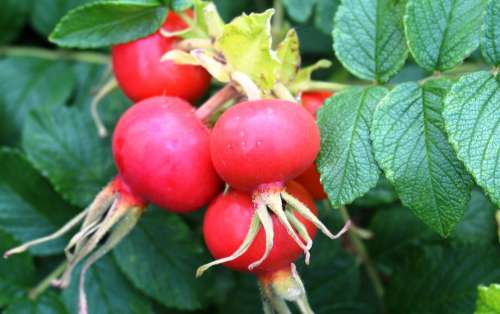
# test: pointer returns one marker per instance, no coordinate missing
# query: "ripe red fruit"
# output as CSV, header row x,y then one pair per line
x,y
228,220
312,101
141,74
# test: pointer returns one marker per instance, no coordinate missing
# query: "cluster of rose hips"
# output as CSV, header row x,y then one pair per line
x,y
166,155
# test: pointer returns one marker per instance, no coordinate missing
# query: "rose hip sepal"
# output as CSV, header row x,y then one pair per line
x,y
161,152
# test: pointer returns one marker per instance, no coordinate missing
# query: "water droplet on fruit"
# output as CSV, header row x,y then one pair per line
x,y
270,110
238,118
259,143
229,146
243,144
242,133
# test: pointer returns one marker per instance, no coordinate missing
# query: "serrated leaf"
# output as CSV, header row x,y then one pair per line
x,y
289,56
16,273
63,143
441,280
299,10
472,116
48,303
411,147
490,38
160,258
368,38
46,13
12,18
108,291
26,83
488,301
246,45
105,23
29,207
346,163
441,33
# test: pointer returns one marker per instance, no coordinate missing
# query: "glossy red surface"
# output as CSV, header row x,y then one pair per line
x,y
312,101
310,180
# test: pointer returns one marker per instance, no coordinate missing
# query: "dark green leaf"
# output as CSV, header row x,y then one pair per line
x,y
441,280
49,303
16,273
346,163
13,14
441,33
369,39
324,13
299,10
472,116
382,194
29,207
108,291
488,301
410,145
63,143
106,23
490,38
26,83
160,257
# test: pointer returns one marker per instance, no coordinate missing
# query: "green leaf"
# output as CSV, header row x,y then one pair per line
x,y
46,13
488,301
246,45
108,291
411,147
299,10
106,23
472,118
180,5
12,18
160,258
490,38
16,273
325,11
346,163
441,280
63,143
26,83
441,33
29,207
289,55
48,303
369,39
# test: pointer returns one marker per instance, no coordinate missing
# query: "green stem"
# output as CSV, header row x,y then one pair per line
x,y
47,281
360,249
278,28
321,86
83,56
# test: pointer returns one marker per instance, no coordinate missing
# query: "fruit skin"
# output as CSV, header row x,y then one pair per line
x,y
161,151
263,141
227,221
312,101
141,74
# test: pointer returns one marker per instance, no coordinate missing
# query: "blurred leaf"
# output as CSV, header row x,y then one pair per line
x,y
16,273
490,40
289,55
46,13
63,143
441,33
369,39
488,301
105,23
160,257
29,207
325,11
346,163
247,294
26,83
313,42
383,193
471,113
48,303
12,18
180,5
299,10
108,291
441,280
411,147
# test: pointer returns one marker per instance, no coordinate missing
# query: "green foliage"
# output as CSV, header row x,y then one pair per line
x,y
46,304
490,41
12,18
488,301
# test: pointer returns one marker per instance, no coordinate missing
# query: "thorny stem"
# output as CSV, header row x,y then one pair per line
x,y
225,94
47,281
361,251
81,56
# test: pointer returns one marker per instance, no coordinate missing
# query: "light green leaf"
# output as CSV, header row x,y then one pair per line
x,y
108,291
441,33
346,163
63,143
472,116
46,13
181,5
12,18
29,207
160,258
488,301
289,56
369,39
246,45
105,23
490,37
48,303
26,83
299,10
411,147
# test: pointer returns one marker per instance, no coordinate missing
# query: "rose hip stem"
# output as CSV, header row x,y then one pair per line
x,y
225,94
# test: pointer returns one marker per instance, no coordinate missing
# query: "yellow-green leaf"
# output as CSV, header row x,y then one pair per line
x,y
289,55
